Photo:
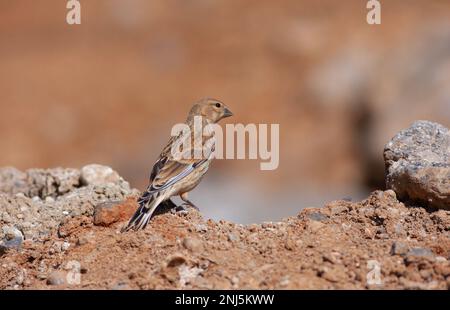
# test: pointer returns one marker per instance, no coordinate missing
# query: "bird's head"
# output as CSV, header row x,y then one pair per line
x,y
212,109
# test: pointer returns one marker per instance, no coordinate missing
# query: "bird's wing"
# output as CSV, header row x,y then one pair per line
x,y
171,172
167,171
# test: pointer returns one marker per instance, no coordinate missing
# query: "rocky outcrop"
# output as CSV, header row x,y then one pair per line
x,y
38,200
418,164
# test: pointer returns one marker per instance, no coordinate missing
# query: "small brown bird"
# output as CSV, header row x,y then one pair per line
x,y
177,175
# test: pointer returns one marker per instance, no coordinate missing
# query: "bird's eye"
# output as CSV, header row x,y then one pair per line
x,y
218,105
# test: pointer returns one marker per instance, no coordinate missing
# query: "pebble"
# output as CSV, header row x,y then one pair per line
x,y
13,238
192,244
108,213
390,194
232,237
85,239
284,281
201,228
420,252
329,258
290,244
56,278
399,248
121,286
65,246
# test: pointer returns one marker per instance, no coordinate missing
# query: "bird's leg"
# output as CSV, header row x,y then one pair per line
x,y
184,197
169,205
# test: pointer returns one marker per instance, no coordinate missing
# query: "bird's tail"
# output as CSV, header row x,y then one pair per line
x,y
147,205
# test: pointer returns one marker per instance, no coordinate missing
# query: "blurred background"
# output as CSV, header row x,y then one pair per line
x,y
109,90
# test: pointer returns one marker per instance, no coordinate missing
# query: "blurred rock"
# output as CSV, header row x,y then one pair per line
x,y
193,245
39,183
56,278
418,164
97,175
52,182
420,252
399,248
56,194
12,180
13,239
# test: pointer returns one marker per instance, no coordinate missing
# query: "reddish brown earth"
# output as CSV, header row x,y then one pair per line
x,y
320,248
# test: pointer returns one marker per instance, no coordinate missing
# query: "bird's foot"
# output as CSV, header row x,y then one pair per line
x,y
180,210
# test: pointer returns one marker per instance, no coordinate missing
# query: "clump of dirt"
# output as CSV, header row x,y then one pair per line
x,y
378,243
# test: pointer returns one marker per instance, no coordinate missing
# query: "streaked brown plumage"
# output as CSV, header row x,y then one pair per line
x,y
172,176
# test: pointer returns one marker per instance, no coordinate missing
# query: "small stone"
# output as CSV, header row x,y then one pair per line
x,y
398,229
13,239
328,274
232,237
188,274
420,252
346,226
49,199
65,246
82,240
390,194
98,175
201,228
316,216
121,286
290,244
440,259
193,245
399,248
56,278
369,233
329,258
108,213
284,281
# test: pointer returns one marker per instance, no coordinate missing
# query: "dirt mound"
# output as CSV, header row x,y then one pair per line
x,y
376,243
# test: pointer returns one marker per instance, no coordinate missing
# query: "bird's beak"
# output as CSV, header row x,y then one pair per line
x,y
227,113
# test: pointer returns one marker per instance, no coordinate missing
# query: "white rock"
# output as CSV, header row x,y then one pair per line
x,y
98,174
